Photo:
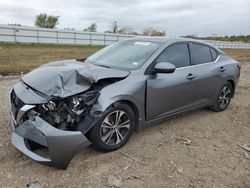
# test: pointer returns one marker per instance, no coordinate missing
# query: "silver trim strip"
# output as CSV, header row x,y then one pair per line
x,y
10,96
22,111
190,66
12,119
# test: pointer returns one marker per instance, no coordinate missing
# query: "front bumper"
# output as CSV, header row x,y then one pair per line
x,y
61,145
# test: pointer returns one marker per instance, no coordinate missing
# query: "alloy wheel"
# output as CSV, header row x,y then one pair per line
x,y
224,97
115,127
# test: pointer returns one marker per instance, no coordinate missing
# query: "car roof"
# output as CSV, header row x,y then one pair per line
x,y
165,39
170,39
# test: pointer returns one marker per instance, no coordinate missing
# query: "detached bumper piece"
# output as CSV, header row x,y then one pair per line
x,y
61,145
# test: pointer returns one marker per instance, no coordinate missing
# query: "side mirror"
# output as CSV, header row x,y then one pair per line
x,y
164,67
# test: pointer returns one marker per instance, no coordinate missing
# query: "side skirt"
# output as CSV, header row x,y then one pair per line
x,y
169,116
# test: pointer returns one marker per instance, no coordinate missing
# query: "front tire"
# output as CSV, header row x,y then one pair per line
x,y
224,98
114,129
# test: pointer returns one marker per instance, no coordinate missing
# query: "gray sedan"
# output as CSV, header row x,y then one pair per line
x,y
61,107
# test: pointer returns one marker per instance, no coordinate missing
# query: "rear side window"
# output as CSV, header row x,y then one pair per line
x,y
214,54
177,54
201,54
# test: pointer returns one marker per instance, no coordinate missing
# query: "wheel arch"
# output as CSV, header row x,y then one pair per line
x,y
135,109
233,85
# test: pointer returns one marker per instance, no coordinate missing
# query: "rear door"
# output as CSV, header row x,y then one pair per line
x,y
207,71
168,93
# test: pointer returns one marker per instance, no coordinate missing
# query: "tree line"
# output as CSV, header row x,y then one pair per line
x,y
233,38
50,21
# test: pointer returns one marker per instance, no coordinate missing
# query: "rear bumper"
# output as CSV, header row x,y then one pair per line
x,y
61,145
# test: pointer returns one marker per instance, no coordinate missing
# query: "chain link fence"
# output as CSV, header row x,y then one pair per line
x,y
20,34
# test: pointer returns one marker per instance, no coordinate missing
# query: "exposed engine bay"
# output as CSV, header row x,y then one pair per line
x,y
65,113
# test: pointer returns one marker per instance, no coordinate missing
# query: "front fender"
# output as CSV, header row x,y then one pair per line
x,y
131,89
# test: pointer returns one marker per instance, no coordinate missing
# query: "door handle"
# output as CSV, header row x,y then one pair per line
x,y
190,76
222,69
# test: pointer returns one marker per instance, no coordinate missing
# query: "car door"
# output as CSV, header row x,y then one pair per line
x,y
208,73
169,93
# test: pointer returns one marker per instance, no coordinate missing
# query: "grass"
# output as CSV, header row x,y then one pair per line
x,y
241,55
17,58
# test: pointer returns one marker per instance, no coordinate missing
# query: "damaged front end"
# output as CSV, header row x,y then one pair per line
x,y
50,129
65,114
48,132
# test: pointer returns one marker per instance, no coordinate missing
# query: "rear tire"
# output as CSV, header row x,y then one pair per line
x,y
114,129
224,98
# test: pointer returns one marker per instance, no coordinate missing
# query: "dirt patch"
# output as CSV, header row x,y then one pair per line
x,y
198,149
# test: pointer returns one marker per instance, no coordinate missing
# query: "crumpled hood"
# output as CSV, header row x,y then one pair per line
x,y
66,78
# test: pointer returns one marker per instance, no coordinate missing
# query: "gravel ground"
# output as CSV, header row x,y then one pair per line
x,y
198,149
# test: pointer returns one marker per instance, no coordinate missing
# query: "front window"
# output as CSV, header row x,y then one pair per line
x,y
177,54
129,54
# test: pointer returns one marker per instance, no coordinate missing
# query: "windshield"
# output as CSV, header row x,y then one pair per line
x,y
129,54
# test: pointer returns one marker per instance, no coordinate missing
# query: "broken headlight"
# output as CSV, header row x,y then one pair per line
x,y
66,113
82,102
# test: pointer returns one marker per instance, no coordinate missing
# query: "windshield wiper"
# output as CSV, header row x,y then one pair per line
x,y
81,59
102,65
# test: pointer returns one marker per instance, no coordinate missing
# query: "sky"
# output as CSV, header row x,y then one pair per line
x,y
175,17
